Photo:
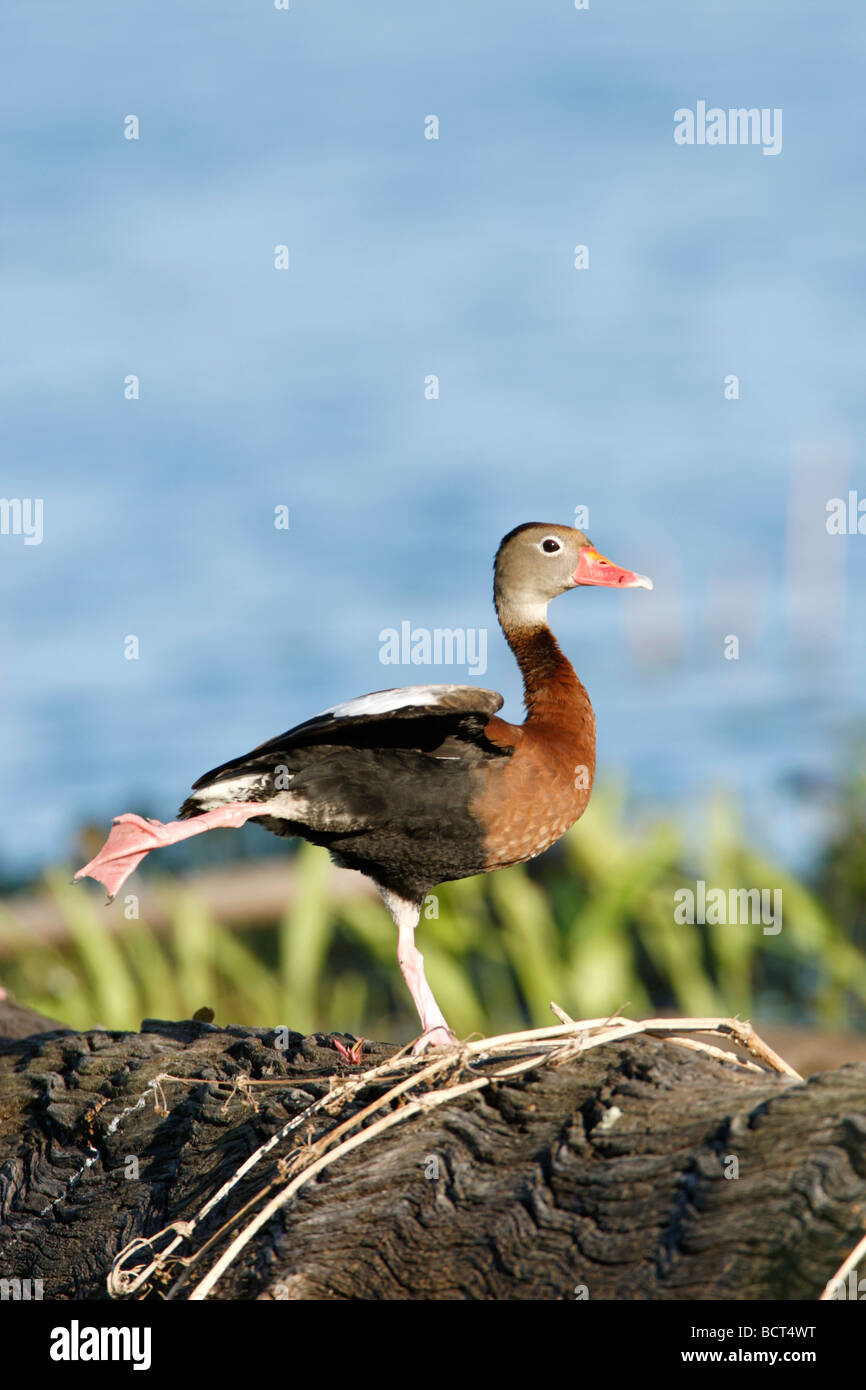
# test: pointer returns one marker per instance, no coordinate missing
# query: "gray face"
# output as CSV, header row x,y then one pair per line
x,y
536,564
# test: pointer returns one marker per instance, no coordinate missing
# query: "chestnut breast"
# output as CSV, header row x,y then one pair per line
x,y
526,802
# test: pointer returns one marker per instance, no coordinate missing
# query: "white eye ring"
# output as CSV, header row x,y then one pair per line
x,y
549,546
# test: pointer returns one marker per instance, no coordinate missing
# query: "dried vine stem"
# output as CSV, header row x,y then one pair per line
x,y
837,1282
123,1283
522,1051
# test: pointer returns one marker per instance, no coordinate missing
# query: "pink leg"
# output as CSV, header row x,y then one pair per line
x,y
132,838
435,1031
405,912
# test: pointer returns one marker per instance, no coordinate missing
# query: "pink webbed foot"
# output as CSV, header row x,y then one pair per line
x,y
132,838
433,1037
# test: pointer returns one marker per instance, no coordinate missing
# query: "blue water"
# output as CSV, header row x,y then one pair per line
x,y
559,387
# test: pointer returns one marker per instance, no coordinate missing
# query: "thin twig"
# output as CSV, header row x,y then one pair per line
x,y
400,1075
396,1117
721,1053
838,1280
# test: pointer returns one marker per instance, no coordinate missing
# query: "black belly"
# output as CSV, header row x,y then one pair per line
x,y
410,862
400,817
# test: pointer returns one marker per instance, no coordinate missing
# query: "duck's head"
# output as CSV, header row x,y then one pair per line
x,y
536,562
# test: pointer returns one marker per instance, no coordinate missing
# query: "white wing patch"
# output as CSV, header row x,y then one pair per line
x,y
243,788
284,804
383,701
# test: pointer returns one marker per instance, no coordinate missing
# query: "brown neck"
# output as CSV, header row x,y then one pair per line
x,y
551,689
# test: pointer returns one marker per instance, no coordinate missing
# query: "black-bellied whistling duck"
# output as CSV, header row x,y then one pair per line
x,y
424,784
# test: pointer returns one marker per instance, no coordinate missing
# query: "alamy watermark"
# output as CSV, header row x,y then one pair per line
x,y
738,125
854,1288
846,516
22,516
734,906
20,1290
441,646
77,1343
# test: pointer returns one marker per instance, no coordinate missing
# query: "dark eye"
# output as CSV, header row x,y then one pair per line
x,y
550,546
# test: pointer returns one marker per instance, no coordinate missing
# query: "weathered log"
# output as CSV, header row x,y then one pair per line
x,y
638,1170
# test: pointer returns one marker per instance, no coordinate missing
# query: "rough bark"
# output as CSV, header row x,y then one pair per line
x,y
607,1173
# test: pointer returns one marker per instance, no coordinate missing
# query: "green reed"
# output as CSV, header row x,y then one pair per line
x,y
590,926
